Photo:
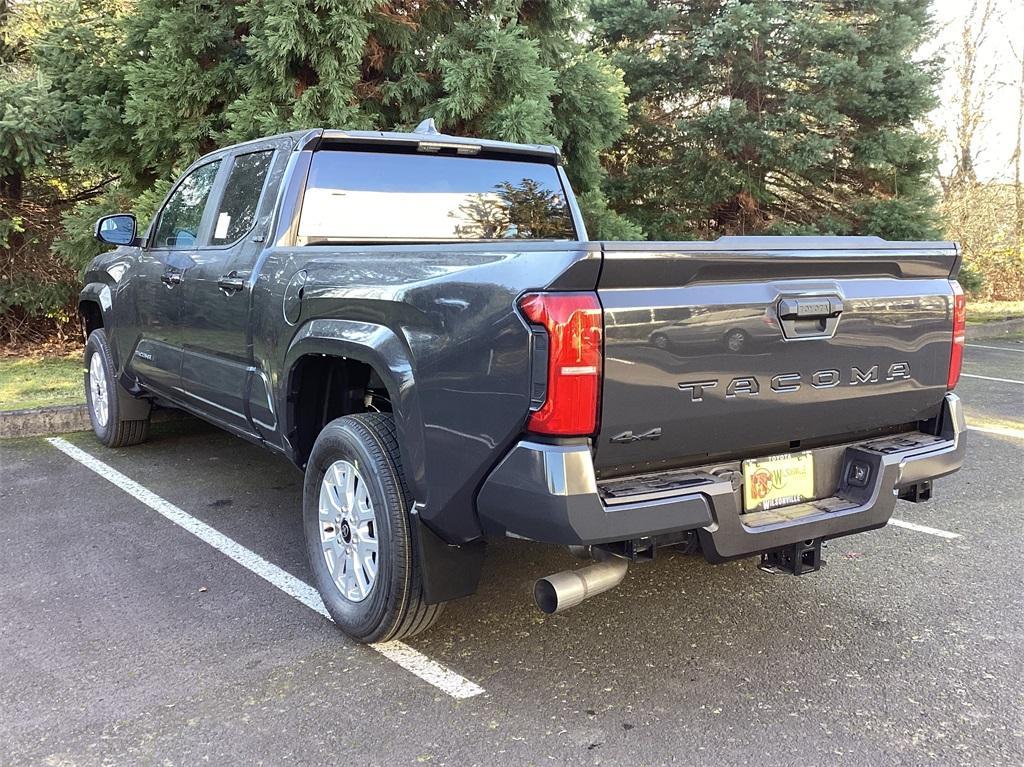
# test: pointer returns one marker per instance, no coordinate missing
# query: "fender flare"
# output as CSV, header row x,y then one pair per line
x,y
97,293
386,353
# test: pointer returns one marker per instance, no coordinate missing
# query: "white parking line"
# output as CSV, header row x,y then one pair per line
x,y
428,670
996,348
1003,431
990,378
924,529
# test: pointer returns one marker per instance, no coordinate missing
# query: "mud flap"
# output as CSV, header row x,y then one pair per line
x,y
448,571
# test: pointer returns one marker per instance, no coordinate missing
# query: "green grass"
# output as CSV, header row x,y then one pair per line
x,y
36,381
986,311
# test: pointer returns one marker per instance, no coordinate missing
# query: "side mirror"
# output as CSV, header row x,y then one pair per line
x,y
118,229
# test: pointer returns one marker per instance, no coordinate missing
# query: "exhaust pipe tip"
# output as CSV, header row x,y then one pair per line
x,y
568,588
546,596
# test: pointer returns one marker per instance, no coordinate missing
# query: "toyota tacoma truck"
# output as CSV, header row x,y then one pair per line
x,y
420,323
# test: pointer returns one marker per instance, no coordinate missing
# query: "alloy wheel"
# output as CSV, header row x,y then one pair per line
x,y
348,531
98,390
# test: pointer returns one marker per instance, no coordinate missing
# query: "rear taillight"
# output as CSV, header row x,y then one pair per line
x,y
574,327
956,356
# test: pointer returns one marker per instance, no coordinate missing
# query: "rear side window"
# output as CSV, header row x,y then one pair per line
x,y
183,213
237,211
379,197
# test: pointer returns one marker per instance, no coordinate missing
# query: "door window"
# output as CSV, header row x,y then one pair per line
x,y
183,213
237,210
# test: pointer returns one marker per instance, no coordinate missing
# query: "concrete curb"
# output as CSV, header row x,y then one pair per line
x,y
58,419
38,421
990,331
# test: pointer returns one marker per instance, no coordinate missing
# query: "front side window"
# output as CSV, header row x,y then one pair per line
x,y
383,197
183,213
237,210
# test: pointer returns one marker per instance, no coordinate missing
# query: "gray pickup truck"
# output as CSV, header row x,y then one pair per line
x,y
420,323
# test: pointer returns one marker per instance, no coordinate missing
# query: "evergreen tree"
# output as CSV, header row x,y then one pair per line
x,y
38,182
27,128
80,51
303,66
181,72
174,79
503,69
752,116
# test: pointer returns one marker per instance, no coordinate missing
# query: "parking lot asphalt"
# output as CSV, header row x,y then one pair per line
x,y
125,639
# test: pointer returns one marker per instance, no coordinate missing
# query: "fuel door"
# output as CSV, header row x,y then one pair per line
x,y
293,297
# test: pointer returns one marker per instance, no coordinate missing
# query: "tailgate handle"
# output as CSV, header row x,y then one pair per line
x,y
813,317
810,308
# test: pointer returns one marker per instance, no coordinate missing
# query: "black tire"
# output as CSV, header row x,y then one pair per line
x,y
394,606
114,431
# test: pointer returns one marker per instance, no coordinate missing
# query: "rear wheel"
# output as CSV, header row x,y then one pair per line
x,y
356,519
102,397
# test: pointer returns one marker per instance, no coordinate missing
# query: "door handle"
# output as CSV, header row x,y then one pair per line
x,y
231,283
170,279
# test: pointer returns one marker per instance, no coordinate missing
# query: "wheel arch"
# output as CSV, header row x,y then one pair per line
x,y
94,307
94,303
386,356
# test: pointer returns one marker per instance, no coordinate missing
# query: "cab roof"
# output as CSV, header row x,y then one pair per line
x,y
425,138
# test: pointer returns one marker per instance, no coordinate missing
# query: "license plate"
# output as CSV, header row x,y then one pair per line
x,y
779,480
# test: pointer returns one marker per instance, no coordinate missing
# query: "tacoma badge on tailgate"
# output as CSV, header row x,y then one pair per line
x,y
790,382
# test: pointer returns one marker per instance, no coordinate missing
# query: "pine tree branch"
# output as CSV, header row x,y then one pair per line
x,y
87,194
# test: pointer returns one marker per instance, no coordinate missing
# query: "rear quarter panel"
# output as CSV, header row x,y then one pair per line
x,y
452,309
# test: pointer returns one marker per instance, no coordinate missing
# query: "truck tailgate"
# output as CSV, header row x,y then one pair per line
x,y
747,346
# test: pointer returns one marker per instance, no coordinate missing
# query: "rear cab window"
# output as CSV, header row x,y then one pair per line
x,y
237,210
379,197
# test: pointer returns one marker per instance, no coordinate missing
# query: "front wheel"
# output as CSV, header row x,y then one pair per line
x,y
356,520
101,396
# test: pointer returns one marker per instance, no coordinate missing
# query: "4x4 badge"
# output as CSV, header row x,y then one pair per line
x,y
628,436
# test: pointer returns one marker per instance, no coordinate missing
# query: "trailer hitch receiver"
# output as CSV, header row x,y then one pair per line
x,y
796,559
